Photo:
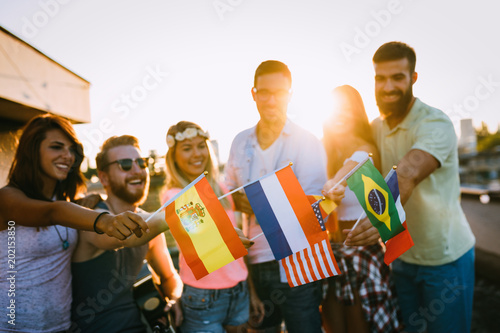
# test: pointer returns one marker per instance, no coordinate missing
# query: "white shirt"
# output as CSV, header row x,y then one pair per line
x,y
248,162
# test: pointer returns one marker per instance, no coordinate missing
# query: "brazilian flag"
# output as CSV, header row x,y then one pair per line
x,y
376,199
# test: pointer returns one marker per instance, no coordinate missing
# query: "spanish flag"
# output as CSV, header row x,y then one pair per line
x,y
202,229
376,199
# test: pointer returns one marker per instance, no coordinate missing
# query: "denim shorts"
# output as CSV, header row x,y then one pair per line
x,y
297,306
209,310
436,298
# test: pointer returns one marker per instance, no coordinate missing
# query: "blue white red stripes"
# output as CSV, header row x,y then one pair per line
x,y
392,183
402,242
283,212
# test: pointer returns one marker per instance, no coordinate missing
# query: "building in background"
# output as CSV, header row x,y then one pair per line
x,y
479,171
467,143
32,84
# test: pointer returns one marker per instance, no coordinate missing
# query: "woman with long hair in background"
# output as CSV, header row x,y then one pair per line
x,y
361,299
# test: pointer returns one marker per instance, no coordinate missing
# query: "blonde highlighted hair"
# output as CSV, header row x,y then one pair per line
x,y
176,177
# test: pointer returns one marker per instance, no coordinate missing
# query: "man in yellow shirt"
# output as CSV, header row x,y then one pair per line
x,y
435,278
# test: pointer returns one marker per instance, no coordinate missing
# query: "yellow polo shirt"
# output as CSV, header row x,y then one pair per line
x,y
435,218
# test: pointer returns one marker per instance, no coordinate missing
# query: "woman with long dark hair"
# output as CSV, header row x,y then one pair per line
x,y
37,221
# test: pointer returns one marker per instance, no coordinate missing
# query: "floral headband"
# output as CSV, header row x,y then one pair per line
x,y
188,133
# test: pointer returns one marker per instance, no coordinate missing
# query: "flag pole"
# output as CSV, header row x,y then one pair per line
x,y
175,197
363,215
350,173
254,238
241,187
221,197
159,210
231,192
389,174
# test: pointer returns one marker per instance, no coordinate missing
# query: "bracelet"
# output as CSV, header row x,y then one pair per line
x,y
95,222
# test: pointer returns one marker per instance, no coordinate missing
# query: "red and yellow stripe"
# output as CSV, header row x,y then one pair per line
x,y
212,244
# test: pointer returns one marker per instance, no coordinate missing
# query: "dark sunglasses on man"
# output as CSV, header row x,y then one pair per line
x,y
126,163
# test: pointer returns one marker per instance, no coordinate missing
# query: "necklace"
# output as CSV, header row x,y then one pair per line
x,y
65,243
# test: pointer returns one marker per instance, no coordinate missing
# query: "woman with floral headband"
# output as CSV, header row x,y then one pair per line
x,y
220,300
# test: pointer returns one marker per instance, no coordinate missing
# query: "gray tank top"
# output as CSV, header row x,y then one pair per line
x,y
42,279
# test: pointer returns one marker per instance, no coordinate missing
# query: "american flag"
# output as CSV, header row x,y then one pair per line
x,y
315,262
325,205
311,264
317,211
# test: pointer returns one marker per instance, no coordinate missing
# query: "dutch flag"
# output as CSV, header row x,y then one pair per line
x,y
283,212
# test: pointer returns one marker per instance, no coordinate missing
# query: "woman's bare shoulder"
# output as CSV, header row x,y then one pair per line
x,y
17,206
8,197
10,193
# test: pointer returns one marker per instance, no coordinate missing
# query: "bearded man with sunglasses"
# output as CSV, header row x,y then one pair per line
x,y
104,271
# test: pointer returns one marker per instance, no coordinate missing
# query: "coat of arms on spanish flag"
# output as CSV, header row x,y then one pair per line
x,y
202,229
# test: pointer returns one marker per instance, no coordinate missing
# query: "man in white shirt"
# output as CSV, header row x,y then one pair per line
x,y
271,144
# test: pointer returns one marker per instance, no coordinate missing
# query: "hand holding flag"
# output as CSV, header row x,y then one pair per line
x,y
384,194
293,225
328,190
202,229
402,242
377,201
283,212
314,262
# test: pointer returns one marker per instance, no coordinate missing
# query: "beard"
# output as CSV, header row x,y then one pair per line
x,y
398,107
120,190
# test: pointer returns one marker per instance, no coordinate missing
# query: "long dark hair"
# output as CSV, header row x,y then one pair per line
x,y
25,171
335,144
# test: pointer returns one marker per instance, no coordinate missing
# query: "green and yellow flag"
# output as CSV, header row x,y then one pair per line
x,y
376,199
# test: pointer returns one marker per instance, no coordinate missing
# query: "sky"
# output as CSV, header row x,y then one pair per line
x,y
152,63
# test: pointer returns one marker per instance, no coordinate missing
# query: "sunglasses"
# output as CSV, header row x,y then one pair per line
x,y
126,163
264,95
